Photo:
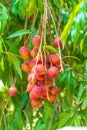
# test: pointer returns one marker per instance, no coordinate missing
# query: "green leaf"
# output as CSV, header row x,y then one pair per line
x,y
68,26
81,44
84,105
41,6
12,127
51,48
56,3
32,7
14,61
77,120
2,64
39,125
27,120
24,100
17,122
64,117
80,93
19,33
1,49
48,108
3,16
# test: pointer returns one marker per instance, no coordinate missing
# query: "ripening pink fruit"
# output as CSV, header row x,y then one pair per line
x,y
55,59
35,93
12,91
40,69
54,90
31,63
32,77
39,77
43,93
24,52
29,87
58,42
36,103
36,40
25,67
34,52
52,72
52,98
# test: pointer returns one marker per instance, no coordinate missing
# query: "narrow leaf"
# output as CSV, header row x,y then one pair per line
x,y
32,7
84,105
14,61
19,33
48,108
18,120
24,100
68,26
41,6
51,48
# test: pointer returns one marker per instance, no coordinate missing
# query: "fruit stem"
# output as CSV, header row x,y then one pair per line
x,y
32,28
57,36
44,31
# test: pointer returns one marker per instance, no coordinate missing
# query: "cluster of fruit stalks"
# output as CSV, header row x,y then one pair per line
x,y
41,71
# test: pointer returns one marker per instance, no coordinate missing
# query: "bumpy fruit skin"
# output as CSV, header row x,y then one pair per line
x,y
52,98
35,93
12,91
58,66
58,42
31,63
25,67
40,69
29,87
36,40
34,52
54,90
36,103
43,93
32,77
48,82
55,59
52,72
40,60
39,77
24,52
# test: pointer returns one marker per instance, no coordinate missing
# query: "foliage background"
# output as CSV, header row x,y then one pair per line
x,y
19,20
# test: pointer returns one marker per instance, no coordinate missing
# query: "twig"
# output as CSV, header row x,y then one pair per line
x,y
57,36
32,28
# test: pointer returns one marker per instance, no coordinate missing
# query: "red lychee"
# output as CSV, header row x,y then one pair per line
x,y
54,90
35,93
36,40
55,59
29,87
34,52
58,42
12,91
25,67
52,98
36,103
52,72
40,69
24,52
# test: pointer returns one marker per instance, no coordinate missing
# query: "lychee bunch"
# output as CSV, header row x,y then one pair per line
x,y
42,69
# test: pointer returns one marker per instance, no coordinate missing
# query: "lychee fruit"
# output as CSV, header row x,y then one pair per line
x,y
12,91
36,103
24,52
58,42
52,72
36,40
